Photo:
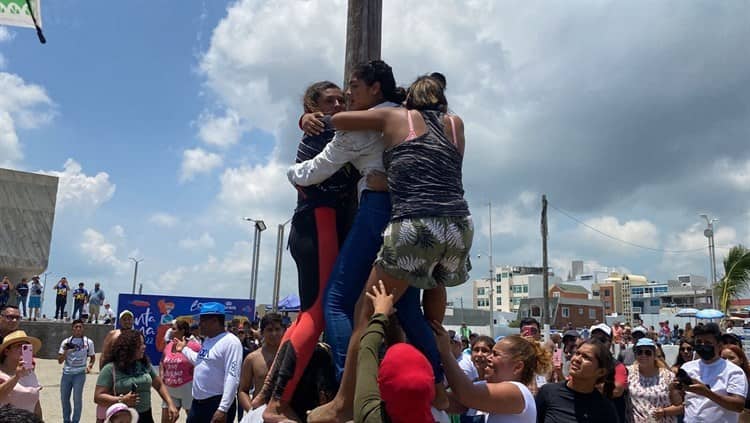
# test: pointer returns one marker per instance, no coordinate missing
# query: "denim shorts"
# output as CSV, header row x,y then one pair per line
x,y
427,251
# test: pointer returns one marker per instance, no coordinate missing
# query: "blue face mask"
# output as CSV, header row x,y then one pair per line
x,y
705,352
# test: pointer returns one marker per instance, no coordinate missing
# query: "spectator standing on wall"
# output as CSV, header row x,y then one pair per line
x,y
96,299
22,292
35,298
61,297
80,295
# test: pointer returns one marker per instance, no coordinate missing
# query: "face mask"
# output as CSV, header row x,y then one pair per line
x,y
705,352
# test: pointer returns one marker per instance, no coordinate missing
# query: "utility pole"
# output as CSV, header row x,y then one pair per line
x,y
277,271
135,272
363,33
492,277
545,273
260,226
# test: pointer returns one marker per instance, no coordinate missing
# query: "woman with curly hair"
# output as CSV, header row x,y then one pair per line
x,y
129,378
504,394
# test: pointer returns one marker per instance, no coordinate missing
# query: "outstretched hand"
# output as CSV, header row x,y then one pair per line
x,y
441,337
382,302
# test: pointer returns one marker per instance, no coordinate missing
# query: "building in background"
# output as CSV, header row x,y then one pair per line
x,y
511,285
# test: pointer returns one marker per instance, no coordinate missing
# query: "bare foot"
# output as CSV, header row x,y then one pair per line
x,y
441,401
331,412
278,412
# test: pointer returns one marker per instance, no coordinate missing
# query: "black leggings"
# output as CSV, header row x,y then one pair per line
x,y
314,242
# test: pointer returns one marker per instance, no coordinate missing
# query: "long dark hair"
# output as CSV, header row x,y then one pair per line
x,y
680,361
606,362
379,71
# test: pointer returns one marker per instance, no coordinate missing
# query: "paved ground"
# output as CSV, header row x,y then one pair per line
x,y
49,371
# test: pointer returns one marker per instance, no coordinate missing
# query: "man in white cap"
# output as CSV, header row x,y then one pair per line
x,y
216,375
126,323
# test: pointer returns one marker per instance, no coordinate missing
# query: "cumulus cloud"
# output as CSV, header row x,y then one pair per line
x,y
118,231
79,191
220,131
196,161
22,105
610,125
163,219
100,251
641,232
737,174
205,241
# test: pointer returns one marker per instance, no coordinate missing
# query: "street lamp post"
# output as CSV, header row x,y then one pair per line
x,y
277,271
260,226
135,271
709,233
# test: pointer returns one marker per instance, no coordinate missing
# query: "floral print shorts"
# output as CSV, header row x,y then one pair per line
x,y
428,251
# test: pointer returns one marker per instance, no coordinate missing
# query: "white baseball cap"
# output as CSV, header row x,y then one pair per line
x,y
602,327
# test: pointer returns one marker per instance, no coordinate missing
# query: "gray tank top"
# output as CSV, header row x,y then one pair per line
x,y
424,173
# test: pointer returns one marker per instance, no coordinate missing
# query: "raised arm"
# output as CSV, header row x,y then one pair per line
x,y
374,119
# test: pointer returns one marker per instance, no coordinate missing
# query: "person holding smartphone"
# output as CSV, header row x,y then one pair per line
x,y
19,386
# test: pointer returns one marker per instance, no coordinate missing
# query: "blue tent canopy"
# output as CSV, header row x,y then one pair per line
x,y
289,303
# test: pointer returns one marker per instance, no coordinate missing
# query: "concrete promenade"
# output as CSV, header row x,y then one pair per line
x,y
49,371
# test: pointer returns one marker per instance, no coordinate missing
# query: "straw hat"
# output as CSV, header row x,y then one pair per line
x,y
20,336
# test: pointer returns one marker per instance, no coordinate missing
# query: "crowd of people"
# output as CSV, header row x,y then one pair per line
x,y
28,296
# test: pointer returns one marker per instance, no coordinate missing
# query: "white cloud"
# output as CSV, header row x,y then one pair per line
x,y
205,241
261,192
197,161
692,238
5,34
220,131
163,219
79,191
641,232
22,105
100,251
118,231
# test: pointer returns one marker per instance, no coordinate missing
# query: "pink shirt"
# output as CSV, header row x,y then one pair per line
x,y
176,369
25,394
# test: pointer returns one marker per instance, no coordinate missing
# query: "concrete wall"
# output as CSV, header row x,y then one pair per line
x,y
27,212
52,334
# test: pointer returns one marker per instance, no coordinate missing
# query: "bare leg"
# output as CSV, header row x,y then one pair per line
x,y
433,303
340,410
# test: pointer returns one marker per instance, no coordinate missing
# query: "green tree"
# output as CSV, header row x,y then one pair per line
x,y
736,276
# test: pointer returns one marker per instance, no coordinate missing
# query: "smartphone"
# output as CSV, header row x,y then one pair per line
x,y
134,388
684,379
27,355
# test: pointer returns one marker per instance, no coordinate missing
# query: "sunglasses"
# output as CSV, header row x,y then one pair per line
x,y
686,349
643,351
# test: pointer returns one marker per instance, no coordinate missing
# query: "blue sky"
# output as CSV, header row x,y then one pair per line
x,y
180,117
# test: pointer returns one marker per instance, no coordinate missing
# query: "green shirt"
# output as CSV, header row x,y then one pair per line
x,y
368,406
141,375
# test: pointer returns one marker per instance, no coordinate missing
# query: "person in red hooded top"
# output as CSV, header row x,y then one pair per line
x,y
402,388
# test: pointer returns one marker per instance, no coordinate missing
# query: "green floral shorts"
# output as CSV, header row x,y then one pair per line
x,y
427,252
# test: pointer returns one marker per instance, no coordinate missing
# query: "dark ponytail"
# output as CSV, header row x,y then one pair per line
x,y
379,71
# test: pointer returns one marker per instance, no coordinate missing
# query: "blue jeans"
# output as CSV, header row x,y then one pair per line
x,y
73,383
351,270
348,279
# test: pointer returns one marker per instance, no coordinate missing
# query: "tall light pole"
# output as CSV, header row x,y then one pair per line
x,y
135,271
709,233
492,276
260,226
277,271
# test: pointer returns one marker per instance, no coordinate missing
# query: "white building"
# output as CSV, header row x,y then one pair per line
x,y
511,284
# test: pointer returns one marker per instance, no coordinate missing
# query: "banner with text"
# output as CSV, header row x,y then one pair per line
x,y
16,13
154,315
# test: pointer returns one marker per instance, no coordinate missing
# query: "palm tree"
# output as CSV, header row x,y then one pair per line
x,y
736,276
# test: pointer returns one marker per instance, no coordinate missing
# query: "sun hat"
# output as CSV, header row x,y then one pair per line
x,y
407,384
20,336
117,408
